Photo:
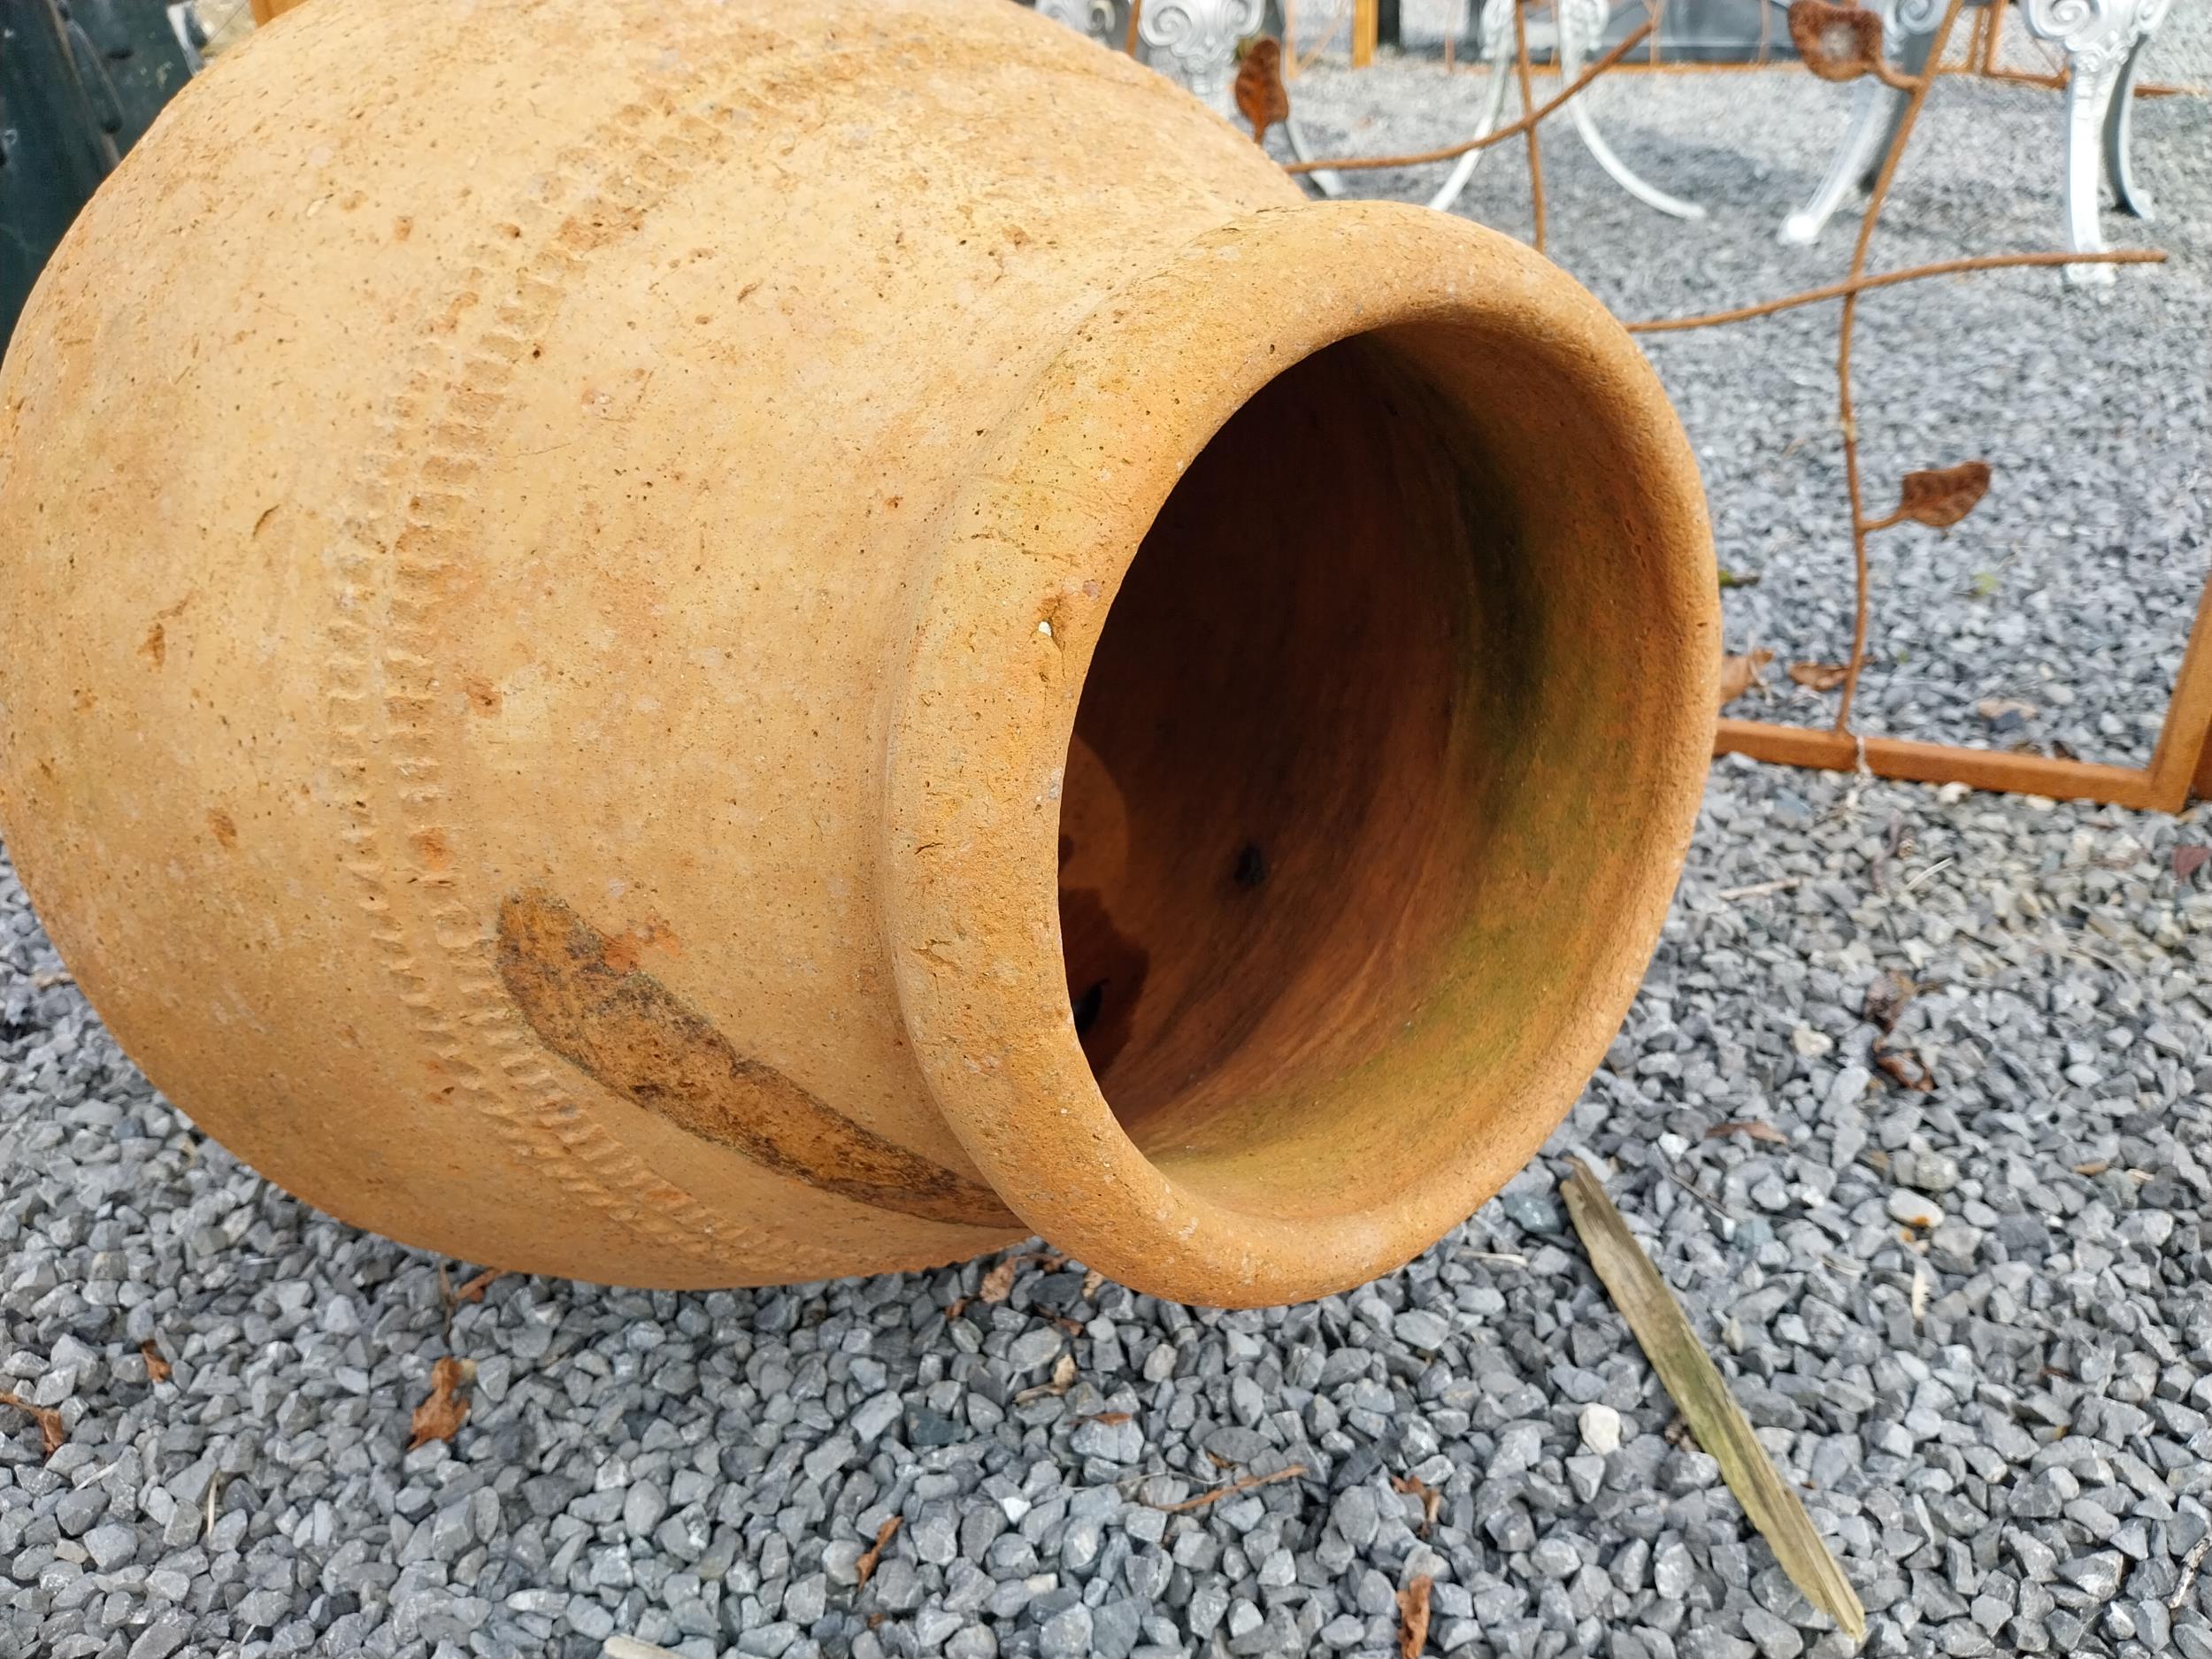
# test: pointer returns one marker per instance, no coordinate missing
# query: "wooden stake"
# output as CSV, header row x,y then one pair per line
x,y
1663,1329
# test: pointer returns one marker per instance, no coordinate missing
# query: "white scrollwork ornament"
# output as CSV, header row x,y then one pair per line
x,y
1093,18
1198,39
2095,34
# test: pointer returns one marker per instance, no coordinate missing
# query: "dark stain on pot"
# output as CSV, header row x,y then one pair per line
x,y
590,1004
1106,970
1251,866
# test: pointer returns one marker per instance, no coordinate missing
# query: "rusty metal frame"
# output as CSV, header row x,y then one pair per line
x,y
2181,762
2180,768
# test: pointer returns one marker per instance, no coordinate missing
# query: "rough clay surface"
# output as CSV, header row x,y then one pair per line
x,y
703,1471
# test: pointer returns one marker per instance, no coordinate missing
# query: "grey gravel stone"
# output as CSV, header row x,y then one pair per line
x,y
1066,1634
110,1545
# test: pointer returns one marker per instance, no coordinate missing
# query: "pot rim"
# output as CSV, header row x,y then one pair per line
x,y
1035,543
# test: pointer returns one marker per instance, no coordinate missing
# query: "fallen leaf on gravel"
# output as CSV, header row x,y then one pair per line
x,y
49,1423
1741,579
1903,1068
2189,860
157,1367
1939,498
1738,674
1820,676
1413,1616
1692,1380
1886,998
2097,1167
998,1284
474,1291
1750,1130
440,1415
865,1567
1092,1280
1112,1419
1063,1380
1431,1500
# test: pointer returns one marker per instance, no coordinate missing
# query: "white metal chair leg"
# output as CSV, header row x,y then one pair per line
x,y
1493,107
1328,182
2118,160
2089,88
1872,105
1572,45
1877,112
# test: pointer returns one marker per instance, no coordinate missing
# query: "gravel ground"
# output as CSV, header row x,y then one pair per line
x,y
1971,1322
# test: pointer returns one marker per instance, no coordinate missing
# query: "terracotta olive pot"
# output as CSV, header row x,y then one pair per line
x,y
699,644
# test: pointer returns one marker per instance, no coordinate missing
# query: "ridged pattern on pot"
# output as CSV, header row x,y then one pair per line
x,y
402,238
401,544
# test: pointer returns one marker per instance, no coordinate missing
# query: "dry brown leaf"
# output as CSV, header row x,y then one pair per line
x,y
1063,1380
1886,998
1820,676
1092,1280
1413,1616
2095,1167
157,1367
1837,42
440,1416
1941,497
865,1567
1110,1418
1261,96
1432,1499
474,1291
1750,1129
998,1284
1738,674
1904,1068
2189,860
50,1427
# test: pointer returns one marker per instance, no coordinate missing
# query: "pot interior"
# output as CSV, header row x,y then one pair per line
x,y
1353,784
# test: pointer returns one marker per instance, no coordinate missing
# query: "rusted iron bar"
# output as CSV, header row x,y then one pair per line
x,y
1890,278
1452,152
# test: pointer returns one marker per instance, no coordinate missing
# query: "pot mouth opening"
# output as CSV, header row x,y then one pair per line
x,y
1367,695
